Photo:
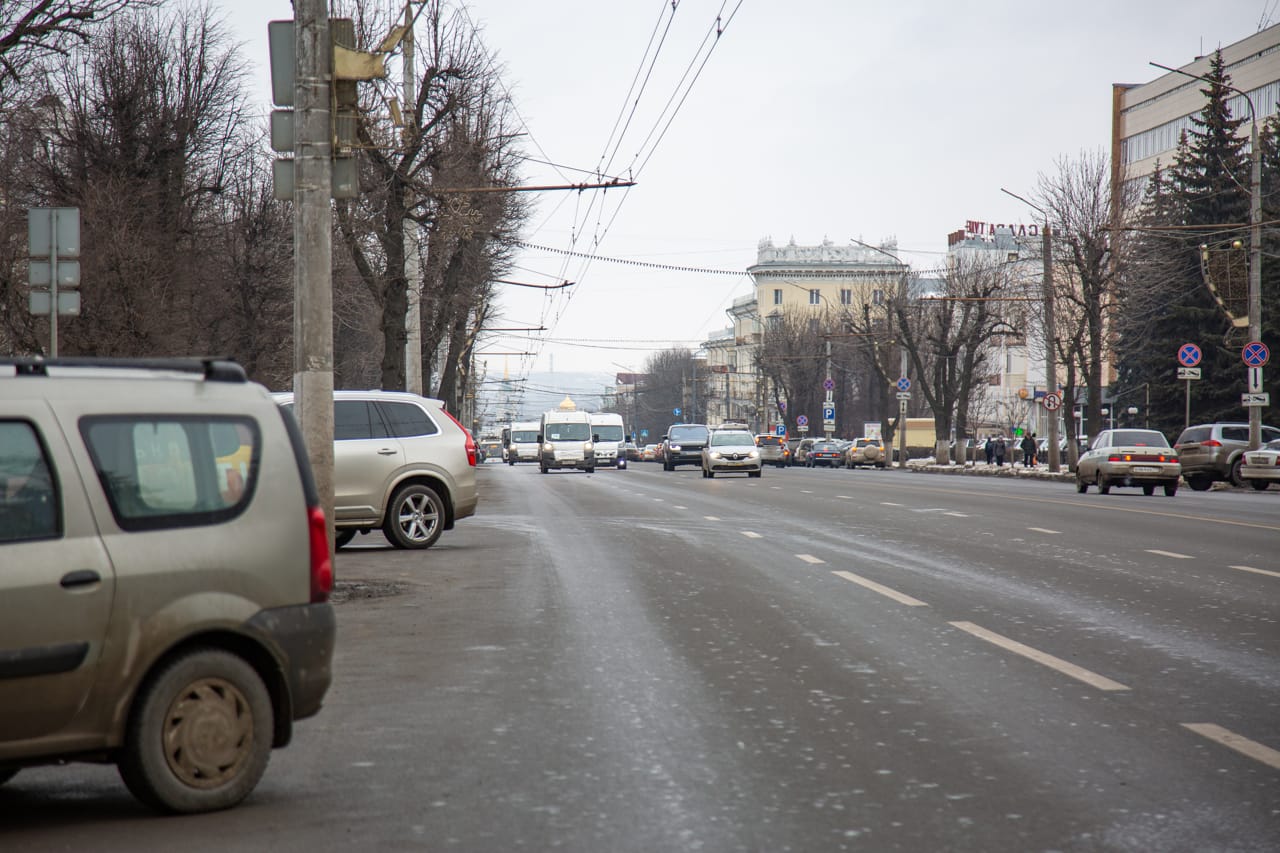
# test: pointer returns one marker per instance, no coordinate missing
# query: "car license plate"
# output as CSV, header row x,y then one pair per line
x,y
1145,469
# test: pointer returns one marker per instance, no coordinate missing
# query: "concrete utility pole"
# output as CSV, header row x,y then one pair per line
x,y
1050,349
412,269
312,249
902,418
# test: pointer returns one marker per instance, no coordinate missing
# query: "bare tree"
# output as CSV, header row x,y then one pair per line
x,y
792,358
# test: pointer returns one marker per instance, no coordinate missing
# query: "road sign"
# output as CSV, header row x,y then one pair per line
x,y
829,413
1052,402
904,384
829,383
1255,354
644,433
1188,355
802,420
1255,379
803,427
1188,373
676,411
1252,401
780,429
782,406
904,396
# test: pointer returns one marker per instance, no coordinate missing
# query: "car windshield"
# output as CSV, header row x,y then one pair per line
x,y
730,439
1138,438
524,436
569,432
608,432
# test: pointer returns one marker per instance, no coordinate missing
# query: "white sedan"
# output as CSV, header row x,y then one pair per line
x,y
731,451
1261,467
1129,457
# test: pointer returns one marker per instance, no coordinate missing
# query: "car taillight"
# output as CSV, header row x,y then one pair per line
x,y
321,560
1213,442
471,442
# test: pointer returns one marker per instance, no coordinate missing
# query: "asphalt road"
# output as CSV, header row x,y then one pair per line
x,y
815,660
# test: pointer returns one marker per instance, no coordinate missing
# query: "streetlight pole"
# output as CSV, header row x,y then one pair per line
x,y
1255,240
1050,335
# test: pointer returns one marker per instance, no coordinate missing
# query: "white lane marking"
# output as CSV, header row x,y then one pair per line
x,y
1173,554
751,534
844,497
677,506
806,491
809,558
889,503
712,517
659,500
956,514
1044,530
779,488
1257,571
899,597
1065,667
1242,745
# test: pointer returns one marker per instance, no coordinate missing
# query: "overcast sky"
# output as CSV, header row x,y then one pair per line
x,y
810,119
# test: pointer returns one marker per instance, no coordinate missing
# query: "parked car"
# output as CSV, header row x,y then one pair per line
x,y
1261,467
731,450
1212,452
164,598
865,451
683,445
1129,457
401,464
773,450
823,454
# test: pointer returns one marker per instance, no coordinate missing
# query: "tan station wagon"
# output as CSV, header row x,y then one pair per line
x,y
164,575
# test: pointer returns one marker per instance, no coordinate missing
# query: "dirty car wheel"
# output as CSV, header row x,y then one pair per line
x,y
200,735
415,518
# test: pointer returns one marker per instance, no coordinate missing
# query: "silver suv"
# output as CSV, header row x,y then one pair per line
x,y
1210,452
401,464
164,575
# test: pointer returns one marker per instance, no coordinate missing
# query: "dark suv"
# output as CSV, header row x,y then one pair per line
x,y
683,445
1210,452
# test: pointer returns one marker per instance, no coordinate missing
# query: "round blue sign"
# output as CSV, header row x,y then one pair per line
x,y
676,411
802,420
1188,355
904,384
1255,354
829,383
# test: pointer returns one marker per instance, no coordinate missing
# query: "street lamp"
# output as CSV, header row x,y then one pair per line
x,y
1255,241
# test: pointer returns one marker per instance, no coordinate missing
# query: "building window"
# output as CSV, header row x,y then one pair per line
x,y
814,297
846,296
777,296
877,297
773,321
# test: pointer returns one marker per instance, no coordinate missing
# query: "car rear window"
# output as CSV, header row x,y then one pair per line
x,y
29,502
771,440
1194,434
688,433
161,471
1138,438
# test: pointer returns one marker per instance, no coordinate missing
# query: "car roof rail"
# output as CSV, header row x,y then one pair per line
x,y
213,369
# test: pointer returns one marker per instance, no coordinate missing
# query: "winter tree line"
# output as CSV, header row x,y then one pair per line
x,y
1129,289
141,114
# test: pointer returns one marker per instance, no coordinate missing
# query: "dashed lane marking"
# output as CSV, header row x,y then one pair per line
x,y
901,598
889,503
1062,666
844,497
1257,571
712,517
956,514
677,506
809,558
1044,530
1173,554
1242,745
751,534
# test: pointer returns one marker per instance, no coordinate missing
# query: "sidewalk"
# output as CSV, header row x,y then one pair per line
x,y
982,469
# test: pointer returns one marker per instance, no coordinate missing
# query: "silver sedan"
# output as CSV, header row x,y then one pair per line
x,y
1261,467
731,450
1129,457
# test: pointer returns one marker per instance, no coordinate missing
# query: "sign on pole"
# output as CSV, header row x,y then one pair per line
x,y
1188,355
1255,354
1052,401
904,384
1188,373
53,246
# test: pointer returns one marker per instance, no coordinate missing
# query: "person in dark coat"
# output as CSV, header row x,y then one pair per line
x,y
1000,450
1028,445
989,448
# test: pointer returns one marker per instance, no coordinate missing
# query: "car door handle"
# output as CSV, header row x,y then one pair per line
x,y
83,577
387,451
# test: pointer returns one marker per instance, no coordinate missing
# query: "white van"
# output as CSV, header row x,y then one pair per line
x,y
566,441
608,433
522,444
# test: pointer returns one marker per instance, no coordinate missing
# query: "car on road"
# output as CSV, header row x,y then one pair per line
x,y
683,445
630,452
1129,457
800,450
773,450
567,441
730,451
1261,467
823,454
1213,452
865,451
401,464
650,453
164,598
490,448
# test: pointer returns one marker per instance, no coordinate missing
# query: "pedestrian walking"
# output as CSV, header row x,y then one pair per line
x,y
989,448
1028,445
1000,451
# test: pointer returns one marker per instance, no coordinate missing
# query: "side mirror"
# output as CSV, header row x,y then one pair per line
x,y
539,438
595,436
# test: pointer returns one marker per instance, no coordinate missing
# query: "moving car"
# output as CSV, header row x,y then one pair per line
x,y
166,575
683,445
609,435
1261,467
566,442
1129,457
650,453
823,454
731,450
401,464
865,451
1212,452
522,443
774,450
